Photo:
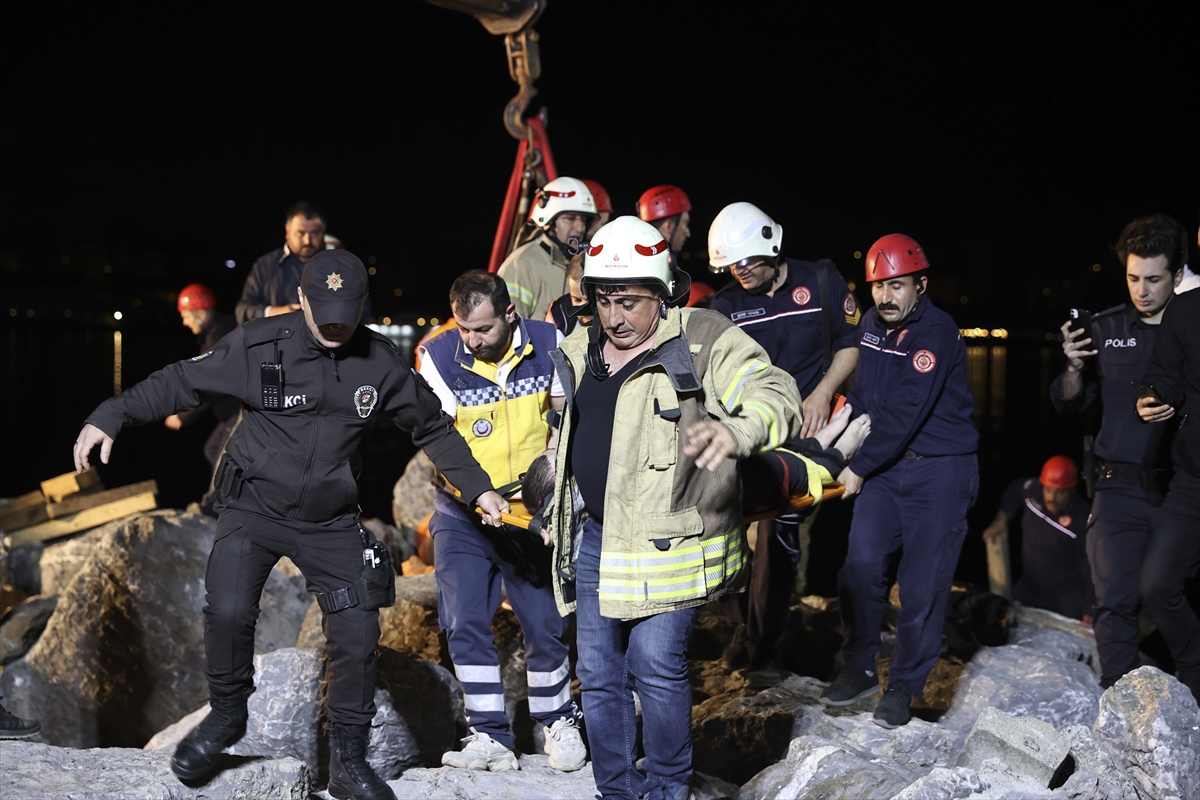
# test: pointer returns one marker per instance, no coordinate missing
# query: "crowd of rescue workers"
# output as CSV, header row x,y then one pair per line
x,y
604,430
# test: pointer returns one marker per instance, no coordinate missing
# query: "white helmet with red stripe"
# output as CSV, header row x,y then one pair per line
x,y
628,251
562,196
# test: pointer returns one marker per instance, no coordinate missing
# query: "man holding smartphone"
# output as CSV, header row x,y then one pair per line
x,y
1173,555
1102,362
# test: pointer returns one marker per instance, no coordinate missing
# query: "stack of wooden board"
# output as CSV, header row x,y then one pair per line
x,y
71,503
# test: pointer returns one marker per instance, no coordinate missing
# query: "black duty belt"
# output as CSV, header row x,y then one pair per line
x,y
1134,475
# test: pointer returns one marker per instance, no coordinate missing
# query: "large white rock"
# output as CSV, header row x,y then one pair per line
x,y
817,767
1150,723
1024,683
38,772
1027,747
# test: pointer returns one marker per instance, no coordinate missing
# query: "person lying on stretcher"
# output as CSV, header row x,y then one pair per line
x,y
772,482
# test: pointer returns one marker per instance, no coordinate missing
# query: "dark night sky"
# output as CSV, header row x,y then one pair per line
x,y
162,139
1014,144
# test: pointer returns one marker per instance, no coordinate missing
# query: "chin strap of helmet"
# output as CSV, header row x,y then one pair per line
x,y
765,286
595,349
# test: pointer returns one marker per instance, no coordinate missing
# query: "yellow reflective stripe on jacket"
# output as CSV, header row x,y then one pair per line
x,y
708,561
734,392
523,295
768,416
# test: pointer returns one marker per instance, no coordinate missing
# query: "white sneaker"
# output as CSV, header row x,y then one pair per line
x,y
564,745
480,751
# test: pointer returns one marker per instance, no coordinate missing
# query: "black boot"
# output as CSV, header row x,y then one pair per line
x,y
197,754
13,727
350,776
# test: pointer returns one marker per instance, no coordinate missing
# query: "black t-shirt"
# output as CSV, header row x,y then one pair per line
x,y
593,433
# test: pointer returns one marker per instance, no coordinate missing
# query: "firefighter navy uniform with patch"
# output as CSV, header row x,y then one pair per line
x,y
788,325
1054,567
1128,485
286,487
920,477
501,411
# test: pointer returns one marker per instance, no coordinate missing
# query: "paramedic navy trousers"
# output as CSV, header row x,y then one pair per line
x,y
920,505
471,560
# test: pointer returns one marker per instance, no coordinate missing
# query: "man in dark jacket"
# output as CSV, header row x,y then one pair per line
x,y
918,476
1173,555
1101,363
308,381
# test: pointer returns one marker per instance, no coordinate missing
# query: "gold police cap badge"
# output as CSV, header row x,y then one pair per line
x,y
335,282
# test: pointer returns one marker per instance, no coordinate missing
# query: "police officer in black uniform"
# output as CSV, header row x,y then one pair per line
x,y
1101,363
309,381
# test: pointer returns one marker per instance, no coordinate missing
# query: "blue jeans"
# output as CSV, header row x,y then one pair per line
x,y
617,657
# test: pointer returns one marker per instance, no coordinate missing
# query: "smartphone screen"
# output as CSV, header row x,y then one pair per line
x,y
1081,320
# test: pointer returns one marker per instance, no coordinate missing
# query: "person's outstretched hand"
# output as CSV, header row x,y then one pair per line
x,y
712,441
88,438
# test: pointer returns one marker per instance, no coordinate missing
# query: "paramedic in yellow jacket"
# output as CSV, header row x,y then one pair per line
x,y
494,376
536,273
647,507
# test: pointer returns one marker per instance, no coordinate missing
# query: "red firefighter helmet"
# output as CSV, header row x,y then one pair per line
x,y
661,202
895,255
1059,472
196,295
603,201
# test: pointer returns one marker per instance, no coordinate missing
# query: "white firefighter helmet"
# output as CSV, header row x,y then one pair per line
x,y
562,196
742,231
628,251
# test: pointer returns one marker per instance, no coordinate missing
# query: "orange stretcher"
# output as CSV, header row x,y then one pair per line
x,y
519,517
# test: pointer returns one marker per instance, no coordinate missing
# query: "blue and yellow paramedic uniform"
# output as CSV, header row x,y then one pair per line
x,y
500,409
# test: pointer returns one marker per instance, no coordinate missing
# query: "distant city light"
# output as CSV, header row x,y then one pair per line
x,y
433,321
1046,291
984,333
999,333
29,312
387,320
421,321
117,315
852,285
230,263
964,299
371,260
407,330
858,253
12,312
371,271
137,302
108,269
398,292
67,312
66,259
1095,267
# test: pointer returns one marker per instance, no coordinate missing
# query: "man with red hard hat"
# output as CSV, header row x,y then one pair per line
x,y
604,207
198,310
667,208
536,272
1054,568
916,476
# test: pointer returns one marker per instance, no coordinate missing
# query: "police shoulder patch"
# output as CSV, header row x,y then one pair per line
x,y
365,398
201,357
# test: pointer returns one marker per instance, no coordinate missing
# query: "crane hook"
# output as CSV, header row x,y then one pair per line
x,y
525,66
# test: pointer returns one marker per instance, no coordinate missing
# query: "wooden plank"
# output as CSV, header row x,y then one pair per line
x,y
81,502
28,509
999,571
59,487
83,520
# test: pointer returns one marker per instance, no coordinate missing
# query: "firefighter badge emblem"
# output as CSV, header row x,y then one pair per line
x,y
801,296
335,282
481,428
850,309
924,361
364,400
